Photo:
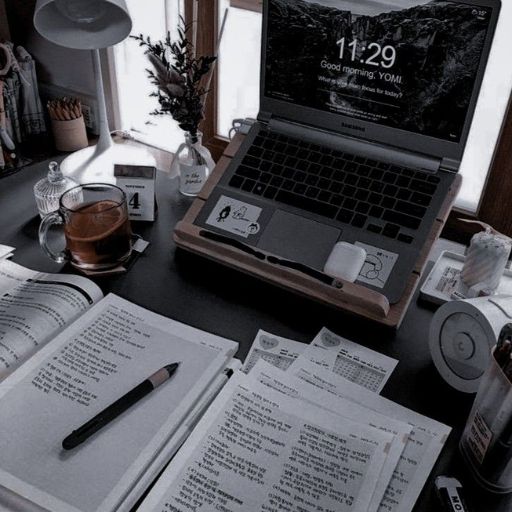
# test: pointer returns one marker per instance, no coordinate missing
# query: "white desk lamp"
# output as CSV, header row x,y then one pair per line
x,y
90,25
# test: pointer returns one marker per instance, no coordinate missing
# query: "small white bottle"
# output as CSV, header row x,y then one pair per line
x,y
47,191
193,163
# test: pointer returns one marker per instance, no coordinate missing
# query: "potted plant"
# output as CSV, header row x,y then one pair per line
x,y
181,81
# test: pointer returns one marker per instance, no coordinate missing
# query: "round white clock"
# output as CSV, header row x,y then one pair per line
x,y
462,334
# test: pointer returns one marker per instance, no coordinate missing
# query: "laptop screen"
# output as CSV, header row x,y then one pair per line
x,y
407,64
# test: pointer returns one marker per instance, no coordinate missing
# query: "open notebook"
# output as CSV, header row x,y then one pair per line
x,y
112,346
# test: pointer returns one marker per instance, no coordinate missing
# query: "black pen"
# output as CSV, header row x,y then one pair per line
x,y
450,493
119,406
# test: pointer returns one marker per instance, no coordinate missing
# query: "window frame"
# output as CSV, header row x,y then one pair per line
x,y
207,30
492,209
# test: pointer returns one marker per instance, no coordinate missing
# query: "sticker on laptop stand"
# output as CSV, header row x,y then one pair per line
x,y
235,216
377,267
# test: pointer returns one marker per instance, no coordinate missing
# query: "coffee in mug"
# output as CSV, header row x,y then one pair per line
x,y
96,227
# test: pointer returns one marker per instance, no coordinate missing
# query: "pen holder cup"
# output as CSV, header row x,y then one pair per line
x,y
69,135
486,443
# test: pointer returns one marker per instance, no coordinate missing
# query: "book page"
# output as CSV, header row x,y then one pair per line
x,y
34,307
113,347
421,451
6,251
276,350
12,274
179,437
350,360
255,449
287,383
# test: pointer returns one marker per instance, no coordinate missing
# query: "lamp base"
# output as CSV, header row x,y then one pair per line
x,y
93,165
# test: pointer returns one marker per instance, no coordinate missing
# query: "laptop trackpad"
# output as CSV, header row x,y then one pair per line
x,y
295,238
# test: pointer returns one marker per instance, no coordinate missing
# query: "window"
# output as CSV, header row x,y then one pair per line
x,y
489,115
238,82
152,18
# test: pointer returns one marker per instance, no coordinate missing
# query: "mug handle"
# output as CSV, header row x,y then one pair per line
x,y
48,221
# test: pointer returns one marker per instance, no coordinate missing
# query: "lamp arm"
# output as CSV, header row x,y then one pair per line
x,y
105,141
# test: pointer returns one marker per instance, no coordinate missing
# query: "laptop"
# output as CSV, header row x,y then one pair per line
x,y
365,109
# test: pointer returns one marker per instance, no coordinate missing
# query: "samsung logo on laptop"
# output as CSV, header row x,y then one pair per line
x,y
353,127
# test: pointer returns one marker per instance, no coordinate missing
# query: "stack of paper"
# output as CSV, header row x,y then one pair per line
x,y
336,354
303,439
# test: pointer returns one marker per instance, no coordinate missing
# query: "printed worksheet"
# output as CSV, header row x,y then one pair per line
x,y
275,350
258,449
423,446
352,361
294,386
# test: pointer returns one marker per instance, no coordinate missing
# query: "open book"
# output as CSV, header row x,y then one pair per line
x,y
74,372
34,307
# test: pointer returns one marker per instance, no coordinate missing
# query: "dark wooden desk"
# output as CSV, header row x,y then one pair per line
x,y
207,296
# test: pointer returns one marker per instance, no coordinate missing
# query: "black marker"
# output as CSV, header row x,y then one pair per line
x,y
449,491
79,435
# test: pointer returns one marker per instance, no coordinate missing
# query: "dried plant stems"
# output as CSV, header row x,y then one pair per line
x,y
178,75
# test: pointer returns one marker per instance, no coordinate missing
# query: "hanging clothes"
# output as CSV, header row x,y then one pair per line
x,y
32,114
3,132
23,108
12,93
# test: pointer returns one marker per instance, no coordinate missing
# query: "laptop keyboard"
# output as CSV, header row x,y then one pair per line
x,y
377,196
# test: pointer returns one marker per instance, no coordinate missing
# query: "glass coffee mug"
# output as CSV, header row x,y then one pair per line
x,y
96,227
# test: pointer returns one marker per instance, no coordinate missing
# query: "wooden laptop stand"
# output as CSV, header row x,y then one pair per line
x,y
351,297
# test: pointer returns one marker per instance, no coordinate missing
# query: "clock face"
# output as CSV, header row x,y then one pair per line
x,y
464,345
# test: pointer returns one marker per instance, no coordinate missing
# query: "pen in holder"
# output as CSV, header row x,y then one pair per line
x,y
486,442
